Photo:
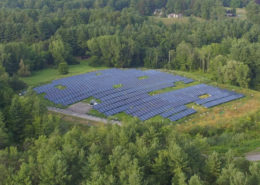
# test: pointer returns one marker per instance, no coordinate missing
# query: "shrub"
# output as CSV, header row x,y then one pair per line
x,y
63,68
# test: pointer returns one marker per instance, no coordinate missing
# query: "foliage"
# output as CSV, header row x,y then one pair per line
x,y
61,52
148,153
41,35
38,149
47,75
63,68
4,138
122,52
235,73
253,12
23,70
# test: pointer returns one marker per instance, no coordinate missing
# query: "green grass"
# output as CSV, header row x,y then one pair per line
x,y
48,103
95,113
178,85
69,122
61,87
169,21
241,13
246,146
117,86
199,76
204,96
143,77
88,100
47,75
122,117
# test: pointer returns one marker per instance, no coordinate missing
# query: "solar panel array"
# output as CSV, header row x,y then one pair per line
x,y
132,97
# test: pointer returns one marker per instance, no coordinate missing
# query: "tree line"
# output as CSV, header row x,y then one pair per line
x,y
37,35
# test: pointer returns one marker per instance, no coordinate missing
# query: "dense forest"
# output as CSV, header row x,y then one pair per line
x,y
39,148
42,34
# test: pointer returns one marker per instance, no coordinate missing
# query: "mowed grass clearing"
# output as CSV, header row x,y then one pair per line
x,y
47,75
169,21
241,13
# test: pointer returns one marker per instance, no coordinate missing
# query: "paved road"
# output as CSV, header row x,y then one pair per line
x,y
82,116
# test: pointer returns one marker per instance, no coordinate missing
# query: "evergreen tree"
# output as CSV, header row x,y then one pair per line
x,y
4,138
23,69
63,68
195,180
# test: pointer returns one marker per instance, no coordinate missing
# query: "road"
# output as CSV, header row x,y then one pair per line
x,y
82,116
254,155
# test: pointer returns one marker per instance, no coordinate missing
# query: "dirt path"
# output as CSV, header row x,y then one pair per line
x,y
82,116
253,156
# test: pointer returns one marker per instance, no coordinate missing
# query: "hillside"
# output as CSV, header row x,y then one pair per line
x,y
214,118
111,92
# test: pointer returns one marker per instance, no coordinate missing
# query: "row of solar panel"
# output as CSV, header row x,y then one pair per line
x,y
122,95
222,100
81,79
173,111
138,102
102,92
182,114
144,117
133,97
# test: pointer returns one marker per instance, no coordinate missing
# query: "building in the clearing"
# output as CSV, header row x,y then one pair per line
x,y
158,12
230,15
174,15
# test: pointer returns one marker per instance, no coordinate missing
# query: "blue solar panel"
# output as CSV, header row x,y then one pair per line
x,y
182,114
133,98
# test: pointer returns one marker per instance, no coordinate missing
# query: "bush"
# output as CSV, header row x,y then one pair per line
x,y
16,84
24,69
63,68
95,61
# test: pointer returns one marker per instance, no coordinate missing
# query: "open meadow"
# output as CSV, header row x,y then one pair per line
x,y
47,75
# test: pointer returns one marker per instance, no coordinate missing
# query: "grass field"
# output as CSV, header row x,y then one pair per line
x,y
178,85
169,21
241,13
47,75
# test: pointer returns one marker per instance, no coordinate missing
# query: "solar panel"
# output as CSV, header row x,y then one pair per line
x,y
133,96
182,114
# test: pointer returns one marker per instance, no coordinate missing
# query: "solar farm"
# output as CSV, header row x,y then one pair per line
x,y
127,90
